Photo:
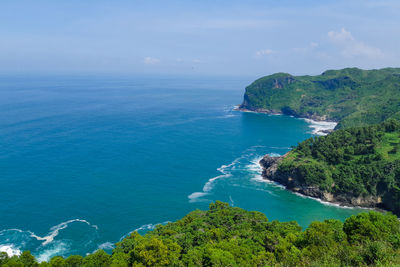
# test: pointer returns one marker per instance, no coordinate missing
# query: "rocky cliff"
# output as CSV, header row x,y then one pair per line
x,y
291,182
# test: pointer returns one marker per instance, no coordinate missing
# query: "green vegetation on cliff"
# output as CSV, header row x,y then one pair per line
x,y
230,236
352,97
359,161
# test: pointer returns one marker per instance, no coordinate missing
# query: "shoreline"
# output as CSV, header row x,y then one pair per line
x,y
320,125
312,192
323,127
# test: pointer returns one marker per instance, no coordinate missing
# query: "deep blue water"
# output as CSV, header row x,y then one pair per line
x,y
121,153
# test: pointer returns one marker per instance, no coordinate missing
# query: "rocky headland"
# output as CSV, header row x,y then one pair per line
x,y
291,182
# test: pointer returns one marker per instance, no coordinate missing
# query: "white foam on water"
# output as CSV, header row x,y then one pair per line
x,y
209,185
195,197
54,231
251,155
320,126
229,112
231,202
273,155
280,147
58,249
10,249
276,184
227,116
147,227
257,168
332,204
12,229
255,165
55,249
106,245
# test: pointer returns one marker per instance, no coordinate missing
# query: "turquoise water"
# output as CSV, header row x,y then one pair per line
x,y
84,160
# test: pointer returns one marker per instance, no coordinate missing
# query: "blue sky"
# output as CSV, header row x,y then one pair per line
x,y
197,37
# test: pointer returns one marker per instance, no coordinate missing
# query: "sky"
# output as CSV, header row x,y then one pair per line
x,y
247,38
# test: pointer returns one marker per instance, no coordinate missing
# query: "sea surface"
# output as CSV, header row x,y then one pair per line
x,y
85,160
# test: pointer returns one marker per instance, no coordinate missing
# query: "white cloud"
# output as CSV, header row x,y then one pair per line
x,y
264,52
341,36
151,60
351,47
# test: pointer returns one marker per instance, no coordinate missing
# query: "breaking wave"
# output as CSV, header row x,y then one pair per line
x,y
321,127
245,166
13,241
144,228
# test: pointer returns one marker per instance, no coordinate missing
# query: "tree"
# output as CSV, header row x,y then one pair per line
x,y
73,261
98,259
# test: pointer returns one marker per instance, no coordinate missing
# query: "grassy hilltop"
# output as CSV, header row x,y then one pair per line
x,y
351,96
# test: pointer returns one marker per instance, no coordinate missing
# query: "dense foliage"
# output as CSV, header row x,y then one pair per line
x,y
362,161
351,96
230,236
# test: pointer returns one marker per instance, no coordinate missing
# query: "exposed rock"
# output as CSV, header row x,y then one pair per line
x,y
271,172
326,131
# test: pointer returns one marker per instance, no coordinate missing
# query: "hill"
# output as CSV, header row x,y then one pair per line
x,y
353,166
230,236
351,96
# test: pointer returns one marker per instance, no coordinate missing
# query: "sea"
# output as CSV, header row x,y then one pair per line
x,y
87,159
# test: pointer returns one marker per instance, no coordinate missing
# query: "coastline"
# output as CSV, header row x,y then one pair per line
x,y
320,124
270,173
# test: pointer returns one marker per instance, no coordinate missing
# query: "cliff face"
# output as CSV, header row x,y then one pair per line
x,y
291,182
335,95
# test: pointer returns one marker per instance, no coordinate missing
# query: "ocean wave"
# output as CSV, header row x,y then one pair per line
x,y
14,240
231,202
10,249
332,204
227,116
145,227
196,196
229,112
273,183
248,162
274,155
255,166
320,127
57,228
106,245
209,185
278,147
57,249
